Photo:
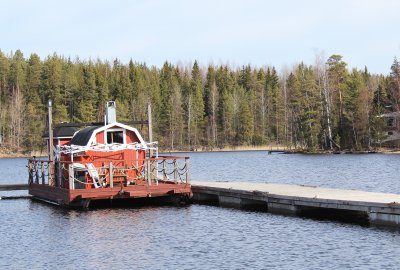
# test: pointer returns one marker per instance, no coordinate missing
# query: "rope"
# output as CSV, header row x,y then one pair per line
x,y
137,178
170,172
71,149
39,169
161,162
85,183
182,172
184,167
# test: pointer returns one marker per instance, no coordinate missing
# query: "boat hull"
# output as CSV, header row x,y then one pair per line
x,y
83,197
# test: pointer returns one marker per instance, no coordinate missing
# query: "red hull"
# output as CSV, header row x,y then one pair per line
x,y
78,197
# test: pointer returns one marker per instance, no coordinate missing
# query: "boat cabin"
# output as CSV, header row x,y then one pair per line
x,y
105,160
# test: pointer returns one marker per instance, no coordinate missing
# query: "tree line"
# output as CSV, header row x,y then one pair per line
x,y
312,107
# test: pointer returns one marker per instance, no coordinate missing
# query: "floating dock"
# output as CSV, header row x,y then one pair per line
x,y
9,187
349,205
357,206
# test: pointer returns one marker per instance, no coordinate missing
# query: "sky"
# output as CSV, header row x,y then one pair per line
x,y
279,33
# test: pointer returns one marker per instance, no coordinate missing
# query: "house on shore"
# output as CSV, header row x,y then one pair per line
x,y
391,129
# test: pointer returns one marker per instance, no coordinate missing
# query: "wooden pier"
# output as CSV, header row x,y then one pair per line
x,y
359,206
9,187
12,187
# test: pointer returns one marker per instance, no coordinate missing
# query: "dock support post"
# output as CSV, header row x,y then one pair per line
x,y
58,175
165,169
154,170
71,177
111,175
30,168
36,171
187,170
175,171
43,174
148,171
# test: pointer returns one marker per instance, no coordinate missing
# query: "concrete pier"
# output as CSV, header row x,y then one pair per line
x,y
358,206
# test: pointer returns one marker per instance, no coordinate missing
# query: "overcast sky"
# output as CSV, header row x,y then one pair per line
x,y
278,33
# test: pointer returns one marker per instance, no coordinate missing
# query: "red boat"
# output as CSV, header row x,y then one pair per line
x,y
105,161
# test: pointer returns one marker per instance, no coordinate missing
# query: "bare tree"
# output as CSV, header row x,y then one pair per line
x,y
16,117
322,80
214,103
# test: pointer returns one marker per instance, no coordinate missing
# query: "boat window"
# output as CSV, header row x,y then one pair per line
x,y
115,137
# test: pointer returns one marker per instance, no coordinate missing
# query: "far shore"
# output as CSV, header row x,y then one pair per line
x,y
285,150
271,149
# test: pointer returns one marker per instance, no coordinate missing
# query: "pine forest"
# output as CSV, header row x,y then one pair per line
x,y
323,106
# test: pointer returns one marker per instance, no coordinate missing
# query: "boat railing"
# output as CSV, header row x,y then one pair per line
x,y
109,173
39,172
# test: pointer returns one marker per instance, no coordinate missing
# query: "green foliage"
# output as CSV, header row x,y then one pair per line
x,y
394,85
197,105
34,108
244,133
308,107
200,107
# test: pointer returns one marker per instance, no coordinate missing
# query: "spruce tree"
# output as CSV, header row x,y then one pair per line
x,y
337,77
34,119
197,104
210,104
50,88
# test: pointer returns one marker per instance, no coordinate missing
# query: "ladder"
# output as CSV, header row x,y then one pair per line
x,y
94,174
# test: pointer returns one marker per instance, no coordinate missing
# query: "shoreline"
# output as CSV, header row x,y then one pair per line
x,y
229,149
23,155
270,149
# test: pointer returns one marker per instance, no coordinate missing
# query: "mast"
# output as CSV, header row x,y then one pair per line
x,y
51,146
150,128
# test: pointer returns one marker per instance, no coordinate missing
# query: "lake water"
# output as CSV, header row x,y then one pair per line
x,y
36,236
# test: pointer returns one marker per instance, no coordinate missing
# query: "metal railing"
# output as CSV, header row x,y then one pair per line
x,y
77,175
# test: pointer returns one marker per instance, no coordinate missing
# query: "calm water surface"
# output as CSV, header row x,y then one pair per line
x,y
37,236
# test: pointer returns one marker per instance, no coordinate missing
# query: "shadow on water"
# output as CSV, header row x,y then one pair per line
x,y
139,202
337,215
332,215
133,203
313,213
340,217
